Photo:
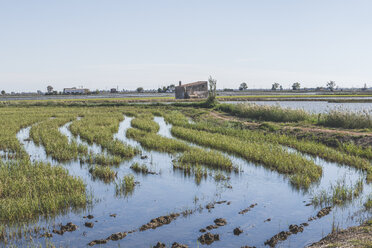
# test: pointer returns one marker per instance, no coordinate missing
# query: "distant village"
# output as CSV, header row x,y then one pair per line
x,y
197,89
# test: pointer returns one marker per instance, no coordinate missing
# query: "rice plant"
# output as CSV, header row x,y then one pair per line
x,y
139,168
32,189
54,142
145,123
203,157
350,154
125,186
338,194
301,170
100,128
104,173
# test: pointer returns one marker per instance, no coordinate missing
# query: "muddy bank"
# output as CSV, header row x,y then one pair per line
x,y
358,236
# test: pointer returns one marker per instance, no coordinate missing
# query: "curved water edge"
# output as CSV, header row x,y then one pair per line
x,y
171,191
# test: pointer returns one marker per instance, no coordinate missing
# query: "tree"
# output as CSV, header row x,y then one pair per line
x,y
364,87
3,92
172,87
212,89
140,90
243,86
296,86
331,85
275,86
281,87
50,89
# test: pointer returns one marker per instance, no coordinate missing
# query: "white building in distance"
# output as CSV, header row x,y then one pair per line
x,y
75,90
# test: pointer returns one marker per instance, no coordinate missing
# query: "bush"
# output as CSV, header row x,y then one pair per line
x,y
347,119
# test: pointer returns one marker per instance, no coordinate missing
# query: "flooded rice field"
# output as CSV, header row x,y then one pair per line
x,y
245,208
316,107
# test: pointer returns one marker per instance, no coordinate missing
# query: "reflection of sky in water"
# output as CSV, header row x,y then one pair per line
x,y
171,191
314,106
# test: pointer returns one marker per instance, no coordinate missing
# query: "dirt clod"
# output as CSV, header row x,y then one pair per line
x,y
208,238
248,208
117,236
162,220
159,245
295,229
97,242
323,212
177,245
89,224
276,238
220,222
238,231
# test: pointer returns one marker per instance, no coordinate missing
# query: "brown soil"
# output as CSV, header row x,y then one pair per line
x,y
359,236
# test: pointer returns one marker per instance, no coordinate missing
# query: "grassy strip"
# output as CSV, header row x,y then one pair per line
x,y
202,157
156,142
264,112
145,123
302,171
55,143
310,147
101,159
100,128
11,121
28,190
191,155
347,119
103,172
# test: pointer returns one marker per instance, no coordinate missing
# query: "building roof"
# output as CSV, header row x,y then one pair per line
x,y
194,83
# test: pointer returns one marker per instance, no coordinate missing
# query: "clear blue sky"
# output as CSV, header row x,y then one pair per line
x,y
105,43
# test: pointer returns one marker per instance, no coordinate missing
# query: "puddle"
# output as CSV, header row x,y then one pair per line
x,y
170,192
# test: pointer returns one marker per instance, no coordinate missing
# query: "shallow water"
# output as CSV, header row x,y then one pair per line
x,y
172,191
315,107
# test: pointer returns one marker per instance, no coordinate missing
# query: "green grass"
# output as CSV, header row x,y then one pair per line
x,y
54,142
156,142
125,186
302,171
198,171
101,159
139,168
99,127
208,158
368,204
264,112
347,119
191,155
104,173
145,123
28,190
338,194
349,154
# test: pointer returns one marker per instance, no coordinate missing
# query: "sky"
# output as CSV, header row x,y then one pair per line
x,y
101,44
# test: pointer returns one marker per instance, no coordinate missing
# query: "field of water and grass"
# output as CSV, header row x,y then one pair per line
x,y
198,174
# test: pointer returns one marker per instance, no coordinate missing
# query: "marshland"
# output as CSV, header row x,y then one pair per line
x,y
112,169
